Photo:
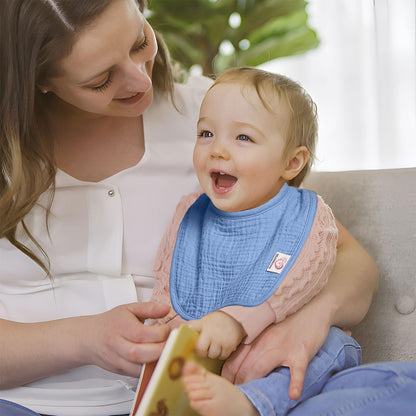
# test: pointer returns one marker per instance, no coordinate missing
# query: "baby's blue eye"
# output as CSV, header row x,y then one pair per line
x,y
205,133
243,138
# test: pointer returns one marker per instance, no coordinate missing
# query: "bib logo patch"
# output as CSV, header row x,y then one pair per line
x,y
278,263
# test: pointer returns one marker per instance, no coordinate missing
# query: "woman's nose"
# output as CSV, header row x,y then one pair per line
x,y
137,78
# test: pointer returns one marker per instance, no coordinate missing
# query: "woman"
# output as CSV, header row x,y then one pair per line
x,y
94,157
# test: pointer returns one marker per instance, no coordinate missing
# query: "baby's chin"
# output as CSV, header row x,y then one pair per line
x,y
228,203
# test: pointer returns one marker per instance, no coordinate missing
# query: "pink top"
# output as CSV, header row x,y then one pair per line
x,y
305,279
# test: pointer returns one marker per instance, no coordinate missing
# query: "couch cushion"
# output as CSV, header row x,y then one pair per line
x,y
378,207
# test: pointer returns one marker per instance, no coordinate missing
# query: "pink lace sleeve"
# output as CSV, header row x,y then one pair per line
x,y
161,267
312,268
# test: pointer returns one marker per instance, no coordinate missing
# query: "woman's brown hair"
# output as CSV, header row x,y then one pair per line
x,y
35,36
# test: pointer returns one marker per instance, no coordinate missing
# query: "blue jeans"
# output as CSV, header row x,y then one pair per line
x,y
335,385
13,409
377,389
269,395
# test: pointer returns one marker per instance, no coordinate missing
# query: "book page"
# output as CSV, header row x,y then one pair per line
x,y
165,393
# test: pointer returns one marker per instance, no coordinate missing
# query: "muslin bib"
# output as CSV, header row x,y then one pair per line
x,y
237,258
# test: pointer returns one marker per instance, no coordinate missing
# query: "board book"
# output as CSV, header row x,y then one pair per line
x,y
160,391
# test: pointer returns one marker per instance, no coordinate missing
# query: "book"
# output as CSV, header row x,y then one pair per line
x,y
160,391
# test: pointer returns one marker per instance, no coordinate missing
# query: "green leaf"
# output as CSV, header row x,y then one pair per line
x,y
292,43
195,29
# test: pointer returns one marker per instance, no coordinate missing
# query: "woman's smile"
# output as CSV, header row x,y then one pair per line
x,y
133,99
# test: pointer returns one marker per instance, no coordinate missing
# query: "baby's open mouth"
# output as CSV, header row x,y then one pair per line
x,y
223,180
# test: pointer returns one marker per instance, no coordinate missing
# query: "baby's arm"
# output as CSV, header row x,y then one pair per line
x,y
220,335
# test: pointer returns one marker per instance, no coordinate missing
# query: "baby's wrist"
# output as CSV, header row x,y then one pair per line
x,y
233,322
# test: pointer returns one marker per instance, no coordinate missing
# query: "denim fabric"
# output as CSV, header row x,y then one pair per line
x,y
269,395
377,389
13,409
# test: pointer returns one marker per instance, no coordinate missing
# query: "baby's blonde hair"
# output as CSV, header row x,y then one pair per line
x,y
303,123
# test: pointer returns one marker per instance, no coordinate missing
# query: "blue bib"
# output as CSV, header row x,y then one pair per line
x,y
237,258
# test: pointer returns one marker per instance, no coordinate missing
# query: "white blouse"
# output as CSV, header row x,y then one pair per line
x,y
101,241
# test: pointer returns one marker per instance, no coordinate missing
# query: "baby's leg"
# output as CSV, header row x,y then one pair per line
x,y
212,395
375,389
269,395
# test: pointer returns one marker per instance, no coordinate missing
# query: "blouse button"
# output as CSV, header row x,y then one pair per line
x,y
111,192
405,305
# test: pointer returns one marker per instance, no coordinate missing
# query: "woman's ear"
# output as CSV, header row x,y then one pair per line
x,y
296,162
43,89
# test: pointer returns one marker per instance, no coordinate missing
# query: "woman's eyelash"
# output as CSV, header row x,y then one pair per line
x,y
139,46
105,84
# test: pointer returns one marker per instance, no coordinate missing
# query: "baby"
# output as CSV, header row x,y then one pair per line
x,y
253,248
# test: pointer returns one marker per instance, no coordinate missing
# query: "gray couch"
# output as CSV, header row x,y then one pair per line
x,y
379,208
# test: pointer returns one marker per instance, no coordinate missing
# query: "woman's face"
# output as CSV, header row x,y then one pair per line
x,y
108,71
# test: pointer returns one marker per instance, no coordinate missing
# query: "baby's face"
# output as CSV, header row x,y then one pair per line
x,y
238,156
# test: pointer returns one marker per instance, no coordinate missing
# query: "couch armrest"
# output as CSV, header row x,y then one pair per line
x,y
378,207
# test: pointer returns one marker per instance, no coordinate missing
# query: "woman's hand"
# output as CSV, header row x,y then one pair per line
x,y
119,341
116,340
220,334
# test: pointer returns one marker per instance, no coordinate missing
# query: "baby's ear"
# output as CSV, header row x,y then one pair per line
x,y
296,162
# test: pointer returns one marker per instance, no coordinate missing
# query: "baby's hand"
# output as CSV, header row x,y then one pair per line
x,y
220,335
